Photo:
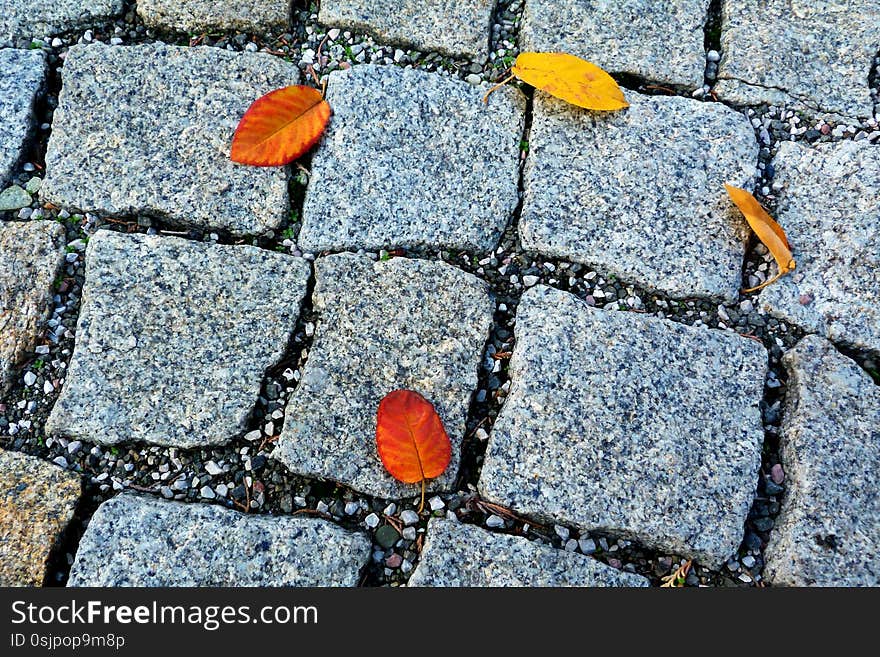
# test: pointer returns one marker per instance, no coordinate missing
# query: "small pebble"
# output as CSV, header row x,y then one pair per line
x,y
495,522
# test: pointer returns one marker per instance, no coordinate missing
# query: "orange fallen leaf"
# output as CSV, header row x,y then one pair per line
x,y
280,127
411,440
768,231
570,78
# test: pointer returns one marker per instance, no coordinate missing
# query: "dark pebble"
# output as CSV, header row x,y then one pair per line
x,y
387,536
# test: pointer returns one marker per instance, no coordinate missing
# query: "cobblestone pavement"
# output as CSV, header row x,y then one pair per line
x,y
192,352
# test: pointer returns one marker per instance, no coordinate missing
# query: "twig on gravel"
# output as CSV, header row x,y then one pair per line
x,y
677,578
394,523
313,512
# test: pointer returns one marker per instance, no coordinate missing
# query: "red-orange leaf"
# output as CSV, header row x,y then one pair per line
x,y
412,442
280,127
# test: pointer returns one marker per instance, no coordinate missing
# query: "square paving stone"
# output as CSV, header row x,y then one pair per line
x,y
37,501
147,130
828,530
31,254
21,83
450,27
829,206
457,555
639,193
631,425
800,53
659,40
173,339
38,18
135,540
413,159
194,15
384,326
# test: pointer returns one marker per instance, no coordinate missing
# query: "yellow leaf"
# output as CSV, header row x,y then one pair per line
x,y
570,78
768,231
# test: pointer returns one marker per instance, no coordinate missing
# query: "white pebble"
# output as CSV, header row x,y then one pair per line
x,y
495,522
436,503
48,388
30,378
372,521
212,468
409,517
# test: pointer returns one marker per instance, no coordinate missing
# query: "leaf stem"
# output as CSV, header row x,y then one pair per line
x,y
422,505
500,84
766,283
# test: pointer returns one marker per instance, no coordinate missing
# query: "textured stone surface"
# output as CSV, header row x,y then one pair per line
x,y
173,339
465,555
134,540
452,27
29,18
403,323
828,531
37,500
800,53
829,206
632,425
192,15
30,256
413,159
22,79
639,193
147,130
660,40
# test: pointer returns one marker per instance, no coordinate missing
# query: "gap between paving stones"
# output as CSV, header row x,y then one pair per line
x,y
750,253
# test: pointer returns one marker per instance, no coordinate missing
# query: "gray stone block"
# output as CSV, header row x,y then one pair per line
x,y
457,555
450,27
639,194
631,425
173,339
193,15
828,531
22,81
410,324
37,501
829,206
659,40
21,19
31,254
413,159
803,54
135,540
147,130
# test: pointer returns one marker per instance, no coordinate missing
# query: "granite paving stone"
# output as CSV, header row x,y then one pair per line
x,y
828,530
450,27
38,18
636,426
639,194
31,254
659,40
147,130
135,540
195,15
413,159
829,206
23,79
458,555
37,501
400,324
800,53
173,339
